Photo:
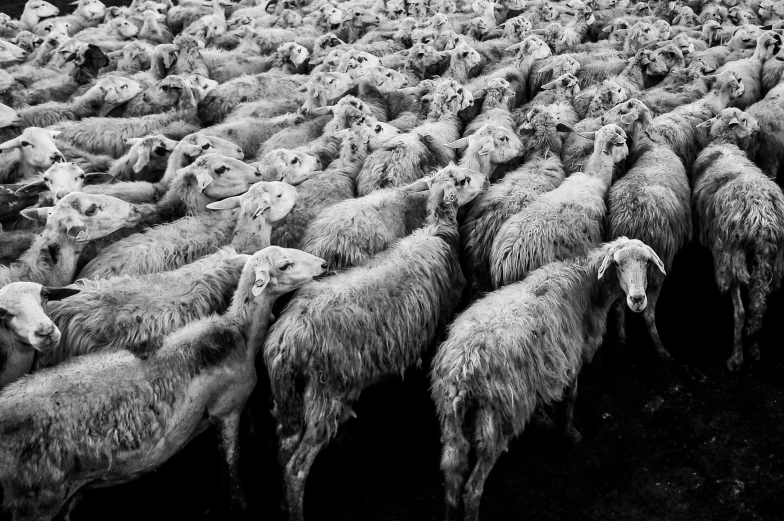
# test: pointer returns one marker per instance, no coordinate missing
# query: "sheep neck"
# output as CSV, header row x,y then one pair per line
x,y
600,165
16,358
250,237
602,294
473,161
633,73
51,259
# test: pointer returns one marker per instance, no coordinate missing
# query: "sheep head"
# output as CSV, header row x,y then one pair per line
x,y
517,28
642,9
26,41
465,54
449,97
22,313
664,29
477,28
288,19
640,35
135,56
10,53
113,91
35,11
631,259
732,125
293,52
275,271
566,85
36,147
91,9
344,113
123,28
53,26
632,116
196,145
150,151
8,116
608,95
712,32
218,177
609,148
371,132
357,63
85,217
361,18
62,179
323,87
171,92
289,166
745,37
663,60
386,80
201,85
326,41
533,47
421,56
464,183
6,81
768,45
727,86
396,9
263,204
490,145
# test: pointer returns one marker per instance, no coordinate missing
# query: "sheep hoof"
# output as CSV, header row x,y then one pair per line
x,y
734,363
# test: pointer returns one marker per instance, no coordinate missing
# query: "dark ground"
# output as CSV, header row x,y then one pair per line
x,y
681,441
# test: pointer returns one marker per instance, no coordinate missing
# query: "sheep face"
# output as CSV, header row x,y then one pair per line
x,y
517,28
444,6
445,41
91,9
468,184
63,178
738,16
201,86
466,54
421,56
150,152
332,17
65,54
611,140
768,45
218,177
664,29
417,9
477,28
196,145
745,37
499,143
663,60
566,85
386,80
438,21
324,87
289,166
36,147
563,64
632,116
123,28
8,116
276,270
116,90
631,259
608,95
133,57
357,63
166,93
396,9
37,10
27,41
327,41
684,43
373,133
10,53
288,19
344,114
532,46
450,96
54,27
729,85
732,125
640,35
295,53
362,18
86,217
22,313
642,9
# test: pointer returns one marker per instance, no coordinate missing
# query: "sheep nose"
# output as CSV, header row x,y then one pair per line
x,y
44,330
637,299
324,265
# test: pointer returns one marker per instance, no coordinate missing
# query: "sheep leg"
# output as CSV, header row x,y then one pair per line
x,y
298,468
70,505
736,360
472,497
650,321
454,465
566,413
228,441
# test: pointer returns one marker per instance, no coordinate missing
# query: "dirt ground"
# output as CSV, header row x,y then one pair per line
x,y
680,441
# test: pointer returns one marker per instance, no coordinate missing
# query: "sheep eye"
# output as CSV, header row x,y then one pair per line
x,y
26,144
279,195
295,161
91,211
221,169
205,147
80,176
286,266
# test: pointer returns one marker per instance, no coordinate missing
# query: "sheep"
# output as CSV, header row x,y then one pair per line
x,y
36,152
396,303
34,12
563,223
10,53
740,217
495,108
576,30
227,96
185,152
750,69
88,13
106,94
60,180
110,36
678,128
146,160
108,135
680,87
27,329
194,234
152,30
411,156
651,202
768,113
518,189
171,93
76,219
121,312
522,347
205,373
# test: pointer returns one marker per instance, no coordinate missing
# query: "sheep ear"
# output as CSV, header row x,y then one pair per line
x,y
262,279
31,188
54,133
487,147
608,260
548,86
39,215
587,135
302,88
130,141
11,144
76,229
226,204
627,119
238,260
143,160
97,178
514,47
706,124
203,179
168,59
419,185
58,293
656,260
324,111
560,127
460,144
342,134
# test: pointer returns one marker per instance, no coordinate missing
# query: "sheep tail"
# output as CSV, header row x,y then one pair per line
x,y
454,455
766,273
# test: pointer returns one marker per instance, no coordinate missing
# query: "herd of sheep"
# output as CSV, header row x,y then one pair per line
x,y
170,172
